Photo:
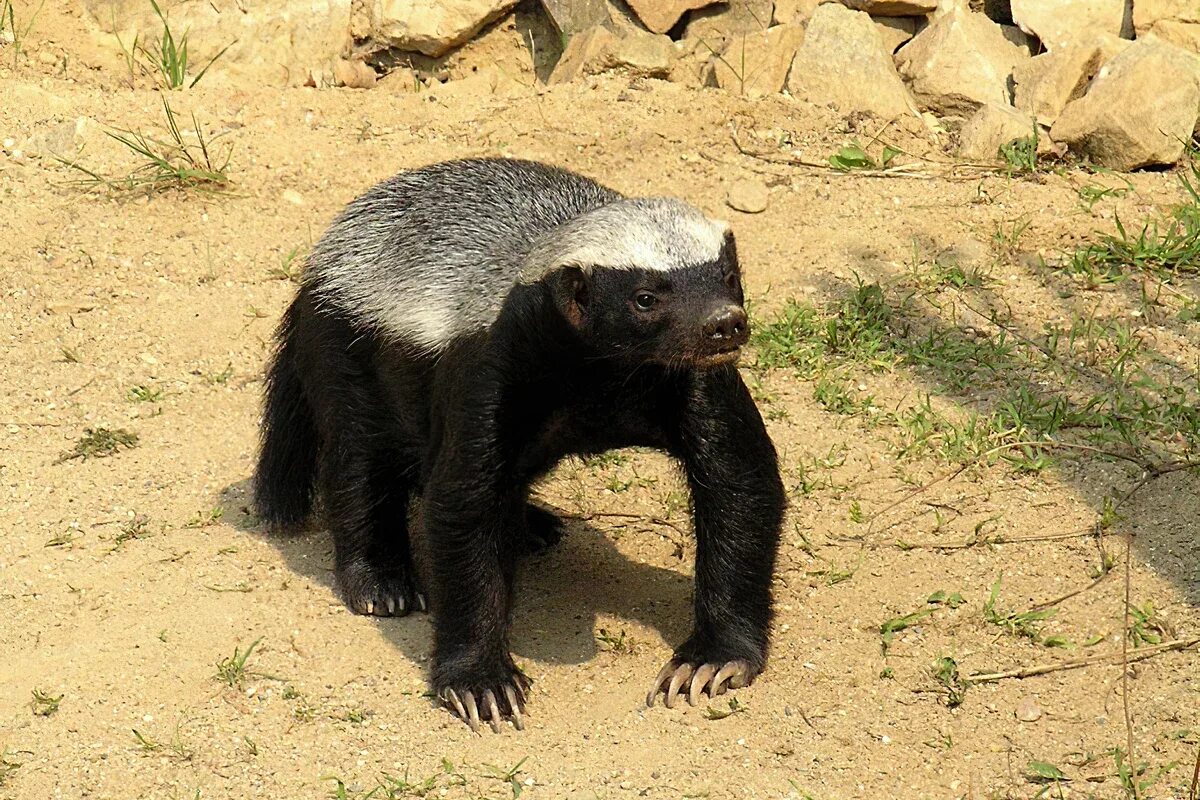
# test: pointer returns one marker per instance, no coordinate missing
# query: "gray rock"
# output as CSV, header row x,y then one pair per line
x,y
1174,21
958,63
1058,22
1139,111
845,63
1046,83
600,50
432,29
570,17
749,196
662,15
991,127
758,63
892,8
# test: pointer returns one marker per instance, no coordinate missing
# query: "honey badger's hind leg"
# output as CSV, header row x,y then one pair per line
x,y
543,529
366,498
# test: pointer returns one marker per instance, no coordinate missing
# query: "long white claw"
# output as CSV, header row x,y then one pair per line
x,y
514,707
489,701
391,606
677,680
699,681
663,674
421,600
370,607
472,710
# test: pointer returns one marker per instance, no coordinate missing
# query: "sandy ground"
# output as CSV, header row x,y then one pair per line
x,y
125,580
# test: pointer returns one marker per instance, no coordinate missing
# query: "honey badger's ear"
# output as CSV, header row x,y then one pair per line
x,y
572,289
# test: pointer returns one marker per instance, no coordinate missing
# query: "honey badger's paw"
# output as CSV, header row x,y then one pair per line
x,y
381,594
494,702
543,529
690,679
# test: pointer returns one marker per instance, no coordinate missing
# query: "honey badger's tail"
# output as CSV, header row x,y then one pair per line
x,y
285,480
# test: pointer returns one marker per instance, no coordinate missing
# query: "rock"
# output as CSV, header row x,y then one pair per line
x,y
844,62
991,127
1028,710
1139,111
430,28
64,139
266,39
996,10
749,196
892,8
794,11
570,17
758,63
1174,21
1021,39
959,62
484,83
896,31
717,24
354,74
1046,83
599,50
661,15
1058,22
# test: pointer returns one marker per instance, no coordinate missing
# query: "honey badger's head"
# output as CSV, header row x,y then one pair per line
x,y
648,280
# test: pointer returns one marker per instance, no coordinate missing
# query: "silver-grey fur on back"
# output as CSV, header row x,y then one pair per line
x,y
430,254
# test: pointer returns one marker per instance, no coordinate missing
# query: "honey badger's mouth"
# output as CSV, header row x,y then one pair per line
x,y
718,358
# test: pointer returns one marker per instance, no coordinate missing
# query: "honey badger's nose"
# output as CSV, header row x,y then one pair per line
x,y
727,326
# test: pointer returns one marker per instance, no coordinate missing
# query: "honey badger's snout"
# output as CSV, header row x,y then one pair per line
x,y
726,327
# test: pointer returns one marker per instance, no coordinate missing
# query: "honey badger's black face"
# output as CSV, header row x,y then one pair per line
x,y
684,316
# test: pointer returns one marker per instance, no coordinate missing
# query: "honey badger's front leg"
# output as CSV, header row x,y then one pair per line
x,y
738,502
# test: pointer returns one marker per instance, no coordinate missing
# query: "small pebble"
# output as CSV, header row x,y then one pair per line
x,y
1028,710
749,196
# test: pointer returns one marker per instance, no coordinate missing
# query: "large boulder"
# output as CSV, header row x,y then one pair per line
x,y
1046,83
958,63
1139,111
263,41
990,128
1174,21
1058,22
844,63
758,63
662,15
892,8
431,28
717,24
600,50
797,11
570,17
898,31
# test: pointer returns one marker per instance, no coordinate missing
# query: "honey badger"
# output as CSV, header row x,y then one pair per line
x,y
462,327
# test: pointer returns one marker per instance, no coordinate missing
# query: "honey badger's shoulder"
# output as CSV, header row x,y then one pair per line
x,y
430,254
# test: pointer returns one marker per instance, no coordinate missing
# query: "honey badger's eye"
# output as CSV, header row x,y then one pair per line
x,y
644,301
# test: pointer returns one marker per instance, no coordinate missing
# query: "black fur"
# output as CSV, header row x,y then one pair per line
x,y
570,366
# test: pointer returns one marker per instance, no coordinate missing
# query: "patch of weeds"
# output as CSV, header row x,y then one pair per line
x,y
937,601
1140,774
509,776
8,765
64,539
1043,772
291,266
179,162
203,519
69,355
1146,627
136,528
1020,156
100,443
1007,238
231,671
836,396
144,394
356,716
945,672
387,787
616,642
854,156
735,707
219,378
176,748
170,58
609,458
1093,193
791,339
44,703
13,34
856,513
1017,623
